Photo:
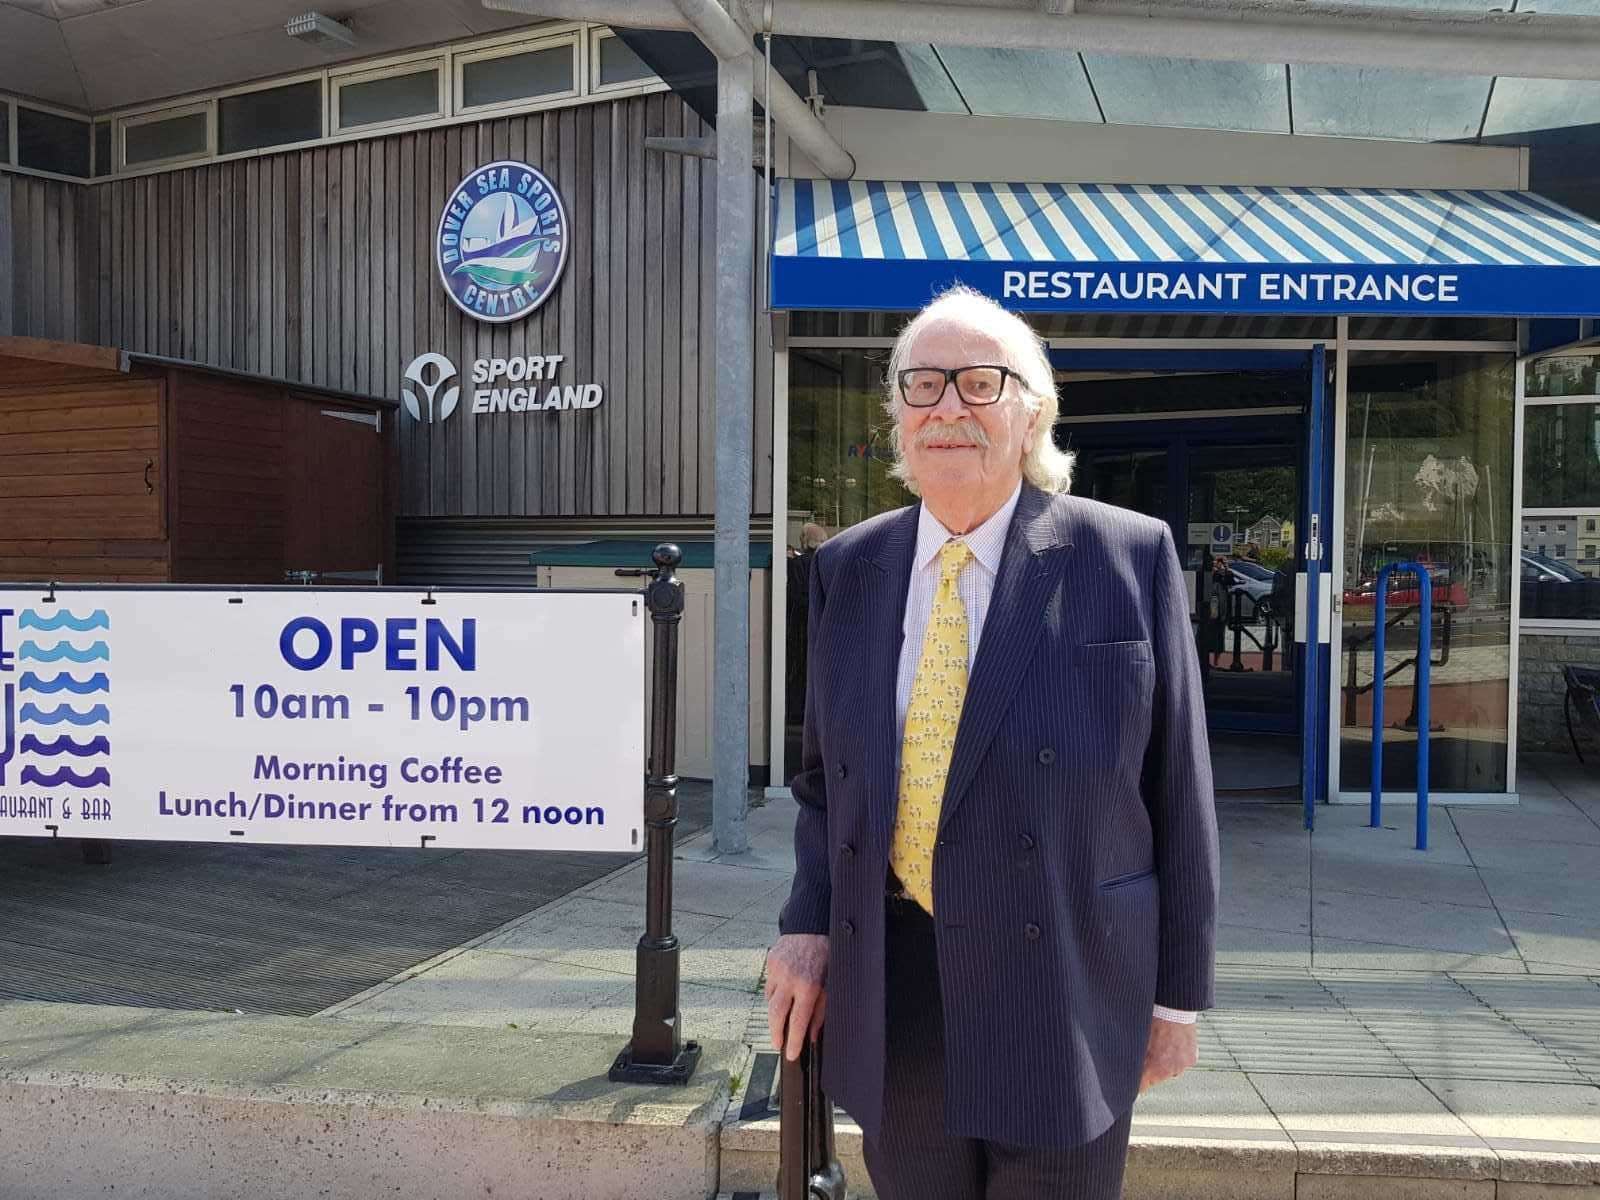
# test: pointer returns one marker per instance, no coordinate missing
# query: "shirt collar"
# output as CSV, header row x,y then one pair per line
x,y
986,541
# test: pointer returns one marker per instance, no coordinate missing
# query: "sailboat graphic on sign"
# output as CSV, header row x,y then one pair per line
x,y
500,243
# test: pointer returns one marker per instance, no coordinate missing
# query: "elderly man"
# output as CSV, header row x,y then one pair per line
x,y
1006,852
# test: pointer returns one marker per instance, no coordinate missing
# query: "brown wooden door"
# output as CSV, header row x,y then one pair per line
x,y
335,499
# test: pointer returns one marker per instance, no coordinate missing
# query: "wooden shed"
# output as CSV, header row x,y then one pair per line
x,y
118,467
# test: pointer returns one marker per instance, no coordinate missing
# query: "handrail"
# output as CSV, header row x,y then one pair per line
x,y
1424,661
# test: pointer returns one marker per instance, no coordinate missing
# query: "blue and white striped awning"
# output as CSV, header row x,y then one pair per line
x,y
1171,248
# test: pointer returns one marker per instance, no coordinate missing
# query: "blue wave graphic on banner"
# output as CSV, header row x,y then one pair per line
x,y
64,745
99,777
98,715
62,619
65,650
98,682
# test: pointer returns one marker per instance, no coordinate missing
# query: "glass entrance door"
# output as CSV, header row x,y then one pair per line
x,y
1221,456
1232,497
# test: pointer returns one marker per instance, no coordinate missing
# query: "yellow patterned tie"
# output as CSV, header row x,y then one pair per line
x,y
930,734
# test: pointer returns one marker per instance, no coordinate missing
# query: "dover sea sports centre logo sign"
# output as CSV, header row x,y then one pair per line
x,y
502,241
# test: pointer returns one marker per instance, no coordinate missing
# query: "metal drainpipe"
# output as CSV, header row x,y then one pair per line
x,y
735,394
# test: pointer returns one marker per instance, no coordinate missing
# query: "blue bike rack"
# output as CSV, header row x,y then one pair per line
x,y
1424,670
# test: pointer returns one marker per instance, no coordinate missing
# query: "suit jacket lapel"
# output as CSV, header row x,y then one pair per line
x,y
1037,545
885,579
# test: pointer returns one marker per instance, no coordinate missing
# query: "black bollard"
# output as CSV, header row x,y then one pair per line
x,y
808,1168
657,1053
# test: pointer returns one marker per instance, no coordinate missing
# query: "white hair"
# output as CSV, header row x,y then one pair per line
x,y
1044,465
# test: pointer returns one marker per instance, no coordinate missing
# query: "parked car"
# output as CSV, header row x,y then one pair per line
x,y
1253,579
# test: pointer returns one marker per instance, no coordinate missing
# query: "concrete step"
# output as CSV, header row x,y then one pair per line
x,y
161,1105
1222,1150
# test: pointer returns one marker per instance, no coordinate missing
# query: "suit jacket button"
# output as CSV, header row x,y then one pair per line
x,y
849,850
842,770
848,927
1047,756
1027,841
1031,932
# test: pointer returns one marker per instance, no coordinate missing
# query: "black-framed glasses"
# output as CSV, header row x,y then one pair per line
x,y
981,383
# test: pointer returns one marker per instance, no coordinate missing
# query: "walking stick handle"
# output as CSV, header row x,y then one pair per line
x,y
808,1168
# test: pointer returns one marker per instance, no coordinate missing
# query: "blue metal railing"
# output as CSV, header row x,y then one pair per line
x,y
1424,668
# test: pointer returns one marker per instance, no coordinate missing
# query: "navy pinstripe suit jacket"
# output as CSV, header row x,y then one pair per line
x,y
1076,873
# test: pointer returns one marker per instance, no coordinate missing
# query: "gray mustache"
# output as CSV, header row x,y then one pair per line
x,y
963,433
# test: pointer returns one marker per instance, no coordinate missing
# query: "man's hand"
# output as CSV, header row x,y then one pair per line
x,y
1173,1049
797,976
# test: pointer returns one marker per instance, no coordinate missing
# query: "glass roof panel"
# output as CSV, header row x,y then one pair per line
x,y
1021,83
1381,103
1189,94
1526,105
930,78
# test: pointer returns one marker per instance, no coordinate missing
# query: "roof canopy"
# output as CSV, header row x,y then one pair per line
x,y
1176,248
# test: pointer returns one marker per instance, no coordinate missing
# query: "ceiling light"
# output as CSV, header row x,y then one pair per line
x,y
314,29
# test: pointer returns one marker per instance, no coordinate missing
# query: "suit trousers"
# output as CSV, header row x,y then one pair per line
x,y
913,1157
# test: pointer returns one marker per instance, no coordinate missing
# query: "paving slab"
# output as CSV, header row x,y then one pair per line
x,y
1439,883
488,988
1253,904
1551,938
1470,930
1343,953
1211,1107
706,888
1243,944
587,924
1484,826
1542,1132
1392,1126
1326,1043
1573,895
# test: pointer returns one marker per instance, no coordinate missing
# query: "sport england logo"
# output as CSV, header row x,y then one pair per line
x,y
502,242
439,407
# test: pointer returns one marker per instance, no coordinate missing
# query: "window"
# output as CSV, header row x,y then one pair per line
x,y
502,77
169,136
1561,455
276,116
1561,470
102,148
614,64
1428,465
385,98
48,141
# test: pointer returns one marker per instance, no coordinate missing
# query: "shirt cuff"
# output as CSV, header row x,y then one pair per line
x,y
1176,1015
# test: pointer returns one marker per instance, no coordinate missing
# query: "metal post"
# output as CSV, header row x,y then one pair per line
x,y
1424,665
656,1053
735,398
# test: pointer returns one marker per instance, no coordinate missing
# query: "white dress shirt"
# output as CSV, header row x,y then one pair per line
x,y
975,585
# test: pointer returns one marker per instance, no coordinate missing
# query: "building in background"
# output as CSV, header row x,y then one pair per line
x,y
229,195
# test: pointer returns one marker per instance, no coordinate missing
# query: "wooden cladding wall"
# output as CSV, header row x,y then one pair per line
x,y
81,481
48,259
317,266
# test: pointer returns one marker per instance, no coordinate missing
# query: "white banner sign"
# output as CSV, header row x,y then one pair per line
x,y
324,717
